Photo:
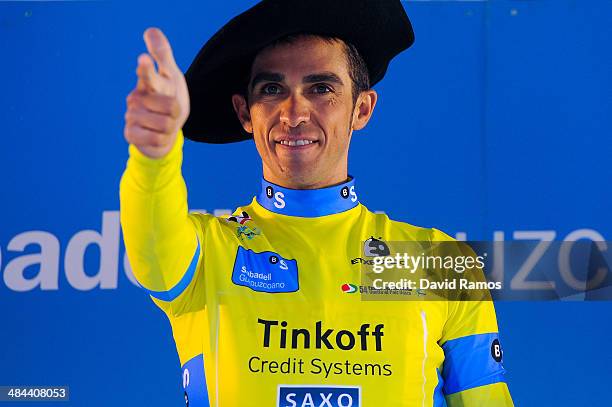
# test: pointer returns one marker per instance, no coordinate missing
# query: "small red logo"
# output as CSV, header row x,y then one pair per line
x,y
349,288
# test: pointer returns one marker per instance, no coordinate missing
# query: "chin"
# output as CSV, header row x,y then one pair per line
x,y
298,165
300,175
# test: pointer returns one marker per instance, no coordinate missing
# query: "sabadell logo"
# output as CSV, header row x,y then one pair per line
x,y
349,288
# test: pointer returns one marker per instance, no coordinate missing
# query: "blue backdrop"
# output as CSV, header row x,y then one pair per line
x,y
498,120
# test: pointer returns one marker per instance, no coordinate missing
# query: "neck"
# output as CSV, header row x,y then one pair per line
x,y
306,181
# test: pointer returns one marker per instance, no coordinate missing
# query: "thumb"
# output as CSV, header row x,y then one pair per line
x,y
159,47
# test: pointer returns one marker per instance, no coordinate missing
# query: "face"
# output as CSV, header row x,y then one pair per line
x,y
301,112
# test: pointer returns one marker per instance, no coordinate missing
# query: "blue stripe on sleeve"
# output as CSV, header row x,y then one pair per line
x,y
469,363
182,284
438,397
194,383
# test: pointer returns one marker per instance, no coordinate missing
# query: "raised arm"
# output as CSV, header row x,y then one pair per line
x,y
159,236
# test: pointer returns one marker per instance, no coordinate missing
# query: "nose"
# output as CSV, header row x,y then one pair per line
x,y
294,110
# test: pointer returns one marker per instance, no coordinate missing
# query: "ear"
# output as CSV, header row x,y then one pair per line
x,y
242,111
364,108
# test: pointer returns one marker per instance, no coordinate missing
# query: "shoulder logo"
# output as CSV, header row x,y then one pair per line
x,y
374,247
243,230
242,218
496,350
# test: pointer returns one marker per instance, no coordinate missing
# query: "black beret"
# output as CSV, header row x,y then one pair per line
x,y
379,29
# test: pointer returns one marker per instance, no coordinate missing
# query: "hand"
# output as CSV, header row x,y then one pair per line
x,y
159,105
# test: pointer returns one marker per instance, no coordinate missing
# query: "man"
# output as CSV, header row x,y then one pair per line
x,y
258,301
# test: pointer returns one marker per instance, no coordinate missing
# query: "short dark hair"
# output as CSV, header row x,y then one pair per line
x,y
357,68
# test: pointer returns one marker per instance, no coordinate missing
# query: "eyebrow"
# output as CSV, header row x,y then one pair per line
x,y
323,77
278,77
266,77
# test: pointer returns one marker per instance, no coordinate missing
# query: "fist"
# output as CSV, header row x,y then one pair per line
x,y
159,104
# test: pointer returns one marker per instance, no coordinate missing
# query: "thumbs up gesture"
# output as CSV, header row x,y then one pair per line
x,y
159,104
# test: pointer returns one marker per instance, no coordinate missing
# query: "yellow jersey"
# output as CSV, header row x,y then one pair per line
x,y
265,307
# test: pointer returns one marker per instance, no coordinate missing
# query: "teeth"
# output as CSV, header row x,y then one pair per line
x,y
296,142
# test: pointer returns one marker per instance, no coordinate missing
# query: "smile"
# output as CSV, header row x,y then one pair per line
x,y
293,143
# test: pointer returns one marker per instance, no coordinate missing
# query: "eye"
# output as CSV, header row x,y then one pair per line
x,y
270,89
322,88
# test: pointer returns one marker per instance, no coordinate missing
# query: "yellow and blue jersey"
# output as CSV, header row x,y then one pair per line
x,y
264,309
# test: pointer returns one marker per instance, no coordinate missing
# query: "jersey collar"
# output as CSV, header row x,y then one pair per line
x,y
308,203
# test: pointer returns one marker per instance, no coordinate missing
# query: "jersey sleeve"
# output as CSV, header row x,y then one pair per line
x,y
473,373
162,239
